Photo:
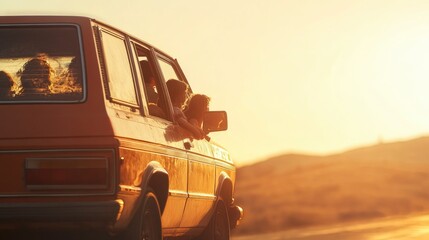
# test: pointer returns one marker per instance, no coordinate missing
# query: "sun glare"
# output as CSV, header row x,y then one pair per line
x,y
404,59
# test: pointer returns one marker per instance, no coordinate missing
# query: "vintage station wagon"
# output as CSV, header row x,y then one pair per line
x,y
88,139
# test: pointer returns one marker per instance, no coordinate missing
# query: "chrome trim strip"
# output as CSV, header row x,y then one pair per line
x,y
127,188
163,150
196,195
194,157
69,163
223,164
66,187
60,150
57,195
175,193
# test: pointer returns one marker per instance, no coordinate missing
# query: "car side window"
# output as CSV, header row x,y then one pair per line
x,y
167,70
120,80
156,100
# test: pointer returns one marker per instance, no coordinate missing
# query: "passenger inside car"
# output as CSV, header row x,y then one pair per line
x,y
6,84
36,77
196,107
151,93
149,81
178,95
74,77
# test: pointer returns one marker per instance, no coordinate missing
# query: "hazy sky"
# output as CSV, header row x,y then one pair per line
x,y
294,76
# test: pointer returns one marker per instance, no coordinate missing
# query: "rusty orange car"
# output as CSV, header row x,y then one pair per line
x,y
88,139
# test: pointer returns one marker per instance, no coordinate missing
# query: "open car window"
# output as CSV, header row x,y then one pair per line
x,y
156,100
41,63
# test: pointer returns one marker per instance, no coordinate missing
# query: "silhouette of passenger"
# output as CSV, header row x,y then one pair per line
x,y
178,95
42,56
196,107
149,81
74,73
151,94
6,84
36,77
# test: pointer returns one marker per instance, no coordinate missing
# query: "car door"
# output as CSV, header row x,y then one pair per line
x,y
171,153
201,169
143,136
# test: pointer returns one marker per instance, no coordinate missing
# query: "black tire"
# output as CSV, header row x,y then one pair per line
x,y
218,228
146,224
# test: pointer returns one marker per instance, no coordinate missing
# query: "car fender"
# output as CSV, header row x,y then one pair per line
x,y
153,174
224,188
155,178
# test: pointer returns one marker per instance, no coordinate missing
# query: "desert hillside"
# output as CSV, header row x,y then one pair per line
x,y
292,191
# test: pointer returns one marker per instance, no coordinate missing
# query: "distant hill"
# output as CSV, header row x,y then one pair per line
x,y
292,191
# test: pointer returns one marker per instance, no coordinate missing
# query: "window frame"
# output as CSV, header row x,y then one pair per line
x,y
152,58
82,60
176,67
138,75
170,61
106,76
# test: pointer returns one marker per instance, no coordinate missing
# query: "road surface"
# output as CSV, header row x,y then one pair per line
x,y
399,228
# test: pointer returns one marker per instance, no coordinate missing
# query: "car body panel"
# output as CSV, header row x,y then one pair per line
x,y
94,159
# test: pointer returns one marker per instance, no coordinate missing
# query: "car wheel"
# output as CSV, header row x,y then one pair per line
x,y
146,224
218,228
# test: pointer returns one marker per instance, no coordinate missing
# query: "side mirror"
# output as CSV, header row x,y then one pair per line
x,y
215,121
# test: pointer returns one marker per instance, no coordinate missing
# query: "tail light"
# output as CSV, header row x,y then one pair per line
x,y
66,173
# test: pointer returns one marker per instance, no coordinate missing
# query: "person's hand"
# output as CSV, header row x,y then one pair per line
x,y
203,134
199,134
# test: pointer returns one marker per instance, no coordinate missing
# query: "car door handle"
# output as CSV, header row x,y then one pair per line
x,y
188,144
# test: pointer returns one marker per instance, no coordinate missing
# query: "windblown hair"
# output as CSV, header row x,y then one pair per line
x,y
6,83
36,74
196,107
176,88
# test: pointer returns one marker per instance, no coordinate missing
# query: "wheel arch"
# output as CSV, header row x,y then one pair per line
x,y
225,188
155,178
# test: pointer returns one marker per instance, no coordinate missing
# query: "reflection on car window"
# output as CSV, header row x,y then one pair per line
x,y
167,70
40,63
121,82
155,98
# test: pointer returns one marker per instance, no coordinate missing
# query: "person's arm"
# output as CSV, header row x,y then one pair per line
x,y
194,122
196,132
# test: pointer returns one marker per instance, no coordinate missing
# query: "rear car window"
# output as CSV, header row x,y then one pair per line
x,y
41,63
